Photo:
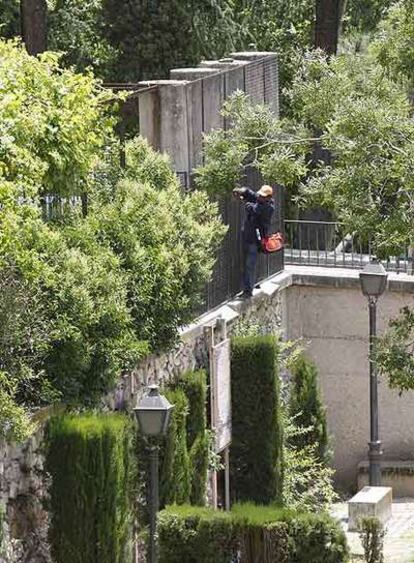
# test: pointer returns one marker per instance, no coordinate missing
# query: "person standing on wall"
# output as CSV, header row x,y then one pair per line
x,y
260,207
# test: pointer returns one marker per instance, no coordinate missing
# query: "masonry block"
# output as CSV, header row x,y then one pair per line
x,y
370,502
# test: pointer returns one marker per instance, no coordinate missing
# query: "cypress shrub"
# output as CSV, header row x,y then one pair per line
x,y
306,406
88,459
256,451
260,533
199,460
194,385
175,472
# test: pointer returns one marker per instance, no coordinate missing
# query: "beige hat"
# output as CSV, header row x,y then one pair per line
x,y
265,191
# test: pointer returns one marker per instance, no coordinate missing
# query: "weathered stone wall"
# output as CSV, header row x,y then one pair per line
x,y
23,494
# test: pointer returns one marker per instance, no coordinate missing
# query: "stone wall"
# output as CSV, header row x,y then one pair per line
x,y
23,494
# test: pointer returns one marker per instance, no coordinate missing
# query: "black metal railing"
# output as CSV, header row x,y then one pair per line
x,y
324,243
227,274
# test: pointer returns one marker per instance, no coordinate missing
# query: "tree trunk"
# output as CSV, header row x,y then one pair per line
x,y
33,14
329,15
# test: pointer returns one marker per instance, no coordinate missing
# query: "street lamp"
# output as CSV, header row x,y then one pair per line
x,y
153,415
373,280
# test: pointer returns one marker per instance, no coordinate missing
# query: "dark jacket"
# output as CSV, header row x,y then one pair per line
x,y
258,216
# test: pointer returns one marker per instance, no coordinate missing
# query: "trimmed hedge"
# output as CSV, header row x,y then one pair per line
x,y
88,459
262,534
256,451
306,406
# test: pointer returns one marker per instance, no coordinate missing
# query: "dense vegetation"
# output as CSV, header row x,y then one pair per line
x,y
90,464
191,535
88,295
257,435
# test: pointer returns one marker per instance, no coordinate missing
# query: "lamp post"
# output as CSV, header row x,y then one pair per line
x,y
373,280
153,415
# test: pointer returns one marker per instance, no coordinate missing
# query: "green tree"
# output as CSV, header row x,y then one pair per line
x,y
76,28
393,44
306,408
9,18
106,288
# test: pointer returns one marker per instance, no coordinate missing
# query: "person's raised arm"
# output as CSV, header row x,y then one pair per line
x,y
245,194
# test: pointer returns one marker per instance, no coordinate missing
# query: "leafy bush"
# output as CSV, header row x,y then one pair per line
x,y
305,406
307,483
193,535
393,44
372,533
45,147
165,241
95,293
88,459
256,452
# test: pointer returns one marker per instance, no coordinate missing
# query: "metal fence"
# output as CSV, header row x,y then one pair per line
x,y
324,243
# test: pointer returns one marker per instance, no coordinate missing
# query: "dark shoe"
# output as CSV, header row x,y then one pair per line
x,y
246,294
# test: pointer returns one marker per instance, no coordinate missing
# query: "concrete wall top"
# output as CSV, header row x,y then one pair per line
x,y
253,55
345,278
192,73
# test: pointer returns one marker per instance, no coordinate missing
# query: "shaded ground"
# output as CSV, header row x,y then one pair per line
x,y
399,540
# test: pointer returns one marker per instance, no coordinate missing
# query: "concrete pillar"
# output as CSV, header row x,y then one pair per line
x,y
168,127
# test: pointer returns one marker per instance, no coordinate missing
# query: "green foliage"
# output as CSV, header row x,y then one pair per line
x,y
199,461
393,44
193,535
24,339
257,139
278,25
307,483
175,474
394,351
86,297
153,37
364,122
256,452
305,406
77,28
9,18
89,462
165,241
44,145
372,533
365,15
194,385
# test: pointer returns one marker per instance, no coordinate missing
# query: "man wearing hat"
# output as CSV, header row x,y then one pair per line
x,y
259,210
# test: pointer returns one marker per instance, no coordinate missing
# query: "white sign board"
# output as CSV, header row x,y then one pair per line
x,y
221,394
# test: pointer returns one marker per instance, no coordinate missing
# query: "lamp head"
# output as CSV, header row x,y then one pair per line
x,y
373,279
153,412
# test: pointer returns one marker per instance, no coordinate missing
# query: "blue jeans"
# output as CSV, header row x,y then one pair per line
x,y
249,272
